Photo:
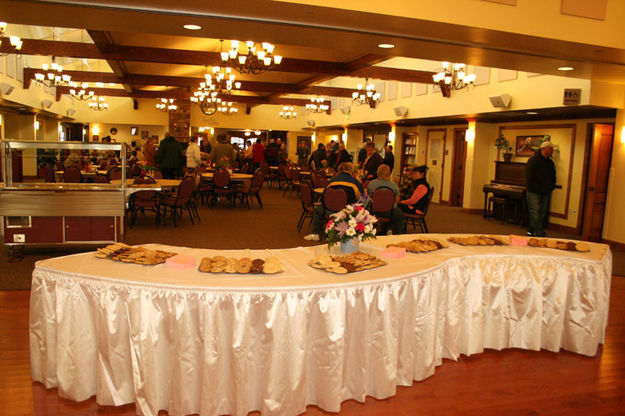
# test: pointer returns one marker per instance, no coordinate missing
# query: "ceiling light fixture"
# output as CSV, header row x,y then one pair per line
x,y
166,104
366,94
14,41
80,92
453,77
52,75
317,105
288,113
532,113
386,46
257,58
192,27
565,68
98,104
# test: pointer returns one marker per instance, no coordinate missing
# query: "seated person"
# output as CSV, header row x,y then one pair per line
x,y
371,163
344,180
396,215
417,201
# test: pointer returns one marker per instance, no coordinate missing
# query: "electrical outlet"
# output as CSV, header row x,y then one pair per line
x,y
19,238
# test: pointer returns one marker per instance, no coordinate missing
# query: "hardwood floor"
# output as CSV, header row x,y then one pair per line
x,y
509,382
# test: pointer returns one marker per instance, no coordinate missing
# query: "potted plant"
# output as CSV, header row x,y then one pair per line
x,y
503,145
349,226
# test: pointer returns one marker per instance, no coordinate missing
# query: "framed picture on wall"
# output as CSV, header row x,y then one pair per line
x,y
525,145
145,134
95,138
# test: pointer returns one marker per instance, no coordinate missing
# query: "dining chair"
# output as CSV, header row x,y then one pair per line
x,y
114,173
305,194
334,199
144,200
419,219
253,190
72,174
222,186
46,172
382,203
181,201
101,178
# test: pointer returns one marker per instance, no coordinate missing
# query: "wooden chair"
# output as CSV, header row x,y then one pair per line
x,y
382,203
114,173
144,200
334,199
305,194
72,174
176,205
222,186
419,219
253,190
46,172
101,178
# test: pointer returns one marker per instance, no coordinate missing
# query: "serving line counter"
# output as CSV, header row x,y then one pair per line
x,y
191,342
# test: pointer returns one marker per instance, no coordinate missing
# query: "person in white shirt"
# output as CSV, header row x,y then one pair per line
x,y
194,156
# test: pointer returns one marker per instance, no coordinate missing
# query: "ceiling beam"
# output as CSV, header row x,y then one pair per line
x,y
105,43
188,57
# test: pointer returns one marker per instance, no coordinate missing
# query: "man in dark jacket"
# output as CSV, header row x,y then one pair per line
x,y
372,162
389,158
317,158
169,157
541,181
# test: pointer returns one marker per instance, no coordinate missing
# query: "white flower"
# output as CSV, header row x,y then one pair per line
x,y
368,228
352,222
350,232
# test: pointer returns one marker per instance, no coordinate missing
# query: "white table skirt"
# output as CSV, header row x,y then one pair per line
x,y
189,342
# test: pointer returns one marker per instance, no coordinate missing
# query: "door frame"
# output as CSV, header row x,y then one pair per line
x,y
427,154
454,166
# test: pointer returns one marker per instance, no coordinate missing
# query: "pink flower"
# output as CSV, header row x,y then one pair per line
x,y
358,208
342,228
360,227
329,224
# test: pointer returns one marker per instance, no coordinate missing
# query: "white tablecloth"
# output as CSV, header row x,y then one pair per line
x,y
190,342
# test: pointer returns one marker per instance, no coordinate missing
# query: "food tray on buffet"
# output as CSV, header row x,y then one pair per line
x,y
560,245
478,240
350,263
138,255
244,265
420,245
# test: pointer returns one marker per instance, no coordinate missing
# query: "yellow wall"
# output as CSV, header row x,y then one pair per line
x,y
614,221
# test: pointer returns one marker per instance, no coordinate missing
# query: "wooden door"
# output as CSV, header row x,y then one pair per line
x,y
435,161
457,168
597,181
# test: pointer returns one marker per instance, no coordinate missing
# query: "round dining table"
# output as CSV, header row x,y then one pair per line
x,y
190,342
233,176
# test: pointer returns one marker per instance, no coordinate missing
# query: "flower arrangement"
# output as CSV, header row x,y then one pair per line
x,y
353,221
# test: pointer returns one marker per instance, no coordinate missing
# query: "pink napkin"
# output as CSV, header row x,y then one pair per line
x,y
180,262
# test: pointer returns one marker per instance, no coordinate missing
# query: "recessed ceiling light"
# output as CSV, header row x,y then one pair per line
x,y
532,112
565,68
192,27
386,46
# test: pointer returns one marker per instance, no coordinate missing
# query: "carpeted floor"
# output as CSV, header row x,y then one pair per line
x,y
273,226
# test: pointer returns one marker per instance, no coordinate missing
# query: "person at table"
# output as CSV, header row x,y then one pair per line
x,y
194,156
223,154
342,155
150,153
169,157
417,201
396,215
271,153
302,153
343,180
541,181
73,159
371,163
318,159
362,153
258,153
389,158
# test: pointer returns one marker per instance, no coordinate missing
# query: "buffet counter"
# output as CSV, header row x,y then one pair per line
x,y
192,342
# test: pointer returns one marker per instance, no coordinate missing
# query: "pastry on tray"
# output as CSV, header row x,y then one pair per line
x,y
560,245
478,240
419,245
349,263
244,265
138,255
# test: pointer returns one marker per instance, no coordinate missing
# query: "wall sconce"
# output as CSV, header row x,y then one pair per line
x,y
344,136
36,125
96,130
391,136
623,135
469,135
313,137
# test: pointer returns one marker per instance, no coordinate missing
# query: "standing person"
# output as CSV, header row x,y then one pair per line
x,y
417,202
258,153
302,153
541,181
223,154
205,146
389,158
371,163
271,153
169,157
318,157
194,155
362,153
342,155
150,153
396,215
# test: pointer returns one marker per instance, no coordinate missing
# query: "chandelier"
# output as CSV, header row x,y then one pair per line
x,y
211,104
98,104
258,58
366,95
166,104
80,92
14,41
222,80
288,112
317,105
52,75
453,77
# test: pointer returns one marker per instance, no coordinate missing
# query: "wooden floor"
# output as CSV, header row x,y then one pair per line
x,y
511,382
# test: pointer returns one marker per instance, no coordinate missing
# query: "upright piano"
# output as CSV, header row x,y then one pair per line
x,y
509,183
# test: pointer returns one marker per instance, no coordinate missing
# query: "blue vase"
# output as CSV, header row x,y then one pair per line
x,y
350,245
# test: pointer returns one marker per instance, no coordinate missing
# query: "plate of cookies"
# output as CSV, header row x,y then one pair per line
x,y
419,245
243,265
137,255
478,240
354,262
560,245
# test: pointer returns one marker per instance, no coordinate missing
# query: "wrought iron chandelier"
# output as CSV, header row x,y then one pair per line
x,y
14,41
221,82
52,75
258,57
453,77
166,104
98,103
366,94
288,112
80,92
317,105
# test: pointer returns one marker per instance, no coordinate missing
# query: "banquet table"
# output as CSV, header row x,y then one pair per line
x,y
190,342
86,173
233,176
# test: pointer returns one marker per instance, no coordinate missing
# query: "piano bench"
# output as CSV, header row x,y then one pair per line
x,y
495,201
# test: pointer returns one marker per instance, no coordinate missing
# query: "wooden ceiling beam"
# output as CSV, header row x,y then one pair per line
x,y
105,43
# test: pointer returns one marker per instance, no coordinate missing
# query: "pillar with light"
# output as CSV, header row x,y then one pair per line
x,y
469,135
623,135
